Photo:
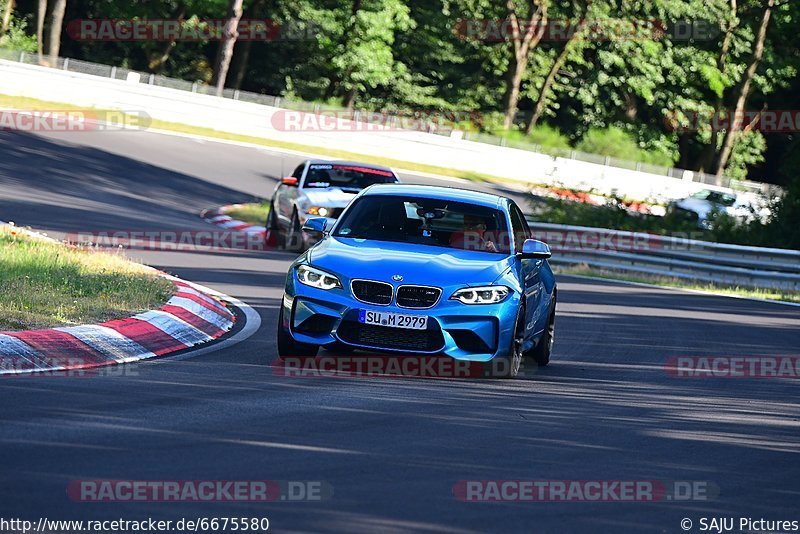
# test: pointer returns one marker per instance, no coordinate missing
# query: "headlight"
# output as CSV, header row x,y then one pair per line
x,y
315,278
316,210
481,295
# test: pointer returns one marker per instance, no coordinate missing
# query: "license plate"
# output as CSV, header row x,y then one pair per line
x,y
395,320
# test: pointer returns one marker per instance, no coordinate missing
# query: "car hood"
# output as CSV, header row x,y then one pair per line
x,y
330,197
417,264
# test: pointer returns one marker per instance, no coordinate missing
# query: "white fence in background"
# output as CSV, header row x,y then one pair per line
x,y
112,88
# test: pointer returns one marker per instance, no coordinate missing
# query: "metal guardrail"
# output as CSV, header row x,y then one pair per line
x,y
688,259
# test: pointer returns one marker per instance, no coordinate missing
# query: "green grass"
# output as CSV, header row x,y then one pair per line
x,y
45,284
253,212
666,281
32,104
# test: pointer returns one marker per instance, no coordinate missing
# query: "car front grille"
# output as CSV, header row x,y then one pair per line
x,y
419,297
386,337
372,292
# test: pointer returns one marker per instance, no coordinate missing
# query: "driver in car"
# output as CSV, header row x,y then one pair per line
x,y
474,235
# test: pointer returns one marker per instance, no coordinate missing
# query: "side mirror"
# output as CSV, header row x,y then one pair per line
x,y
315,225
289,180
536,250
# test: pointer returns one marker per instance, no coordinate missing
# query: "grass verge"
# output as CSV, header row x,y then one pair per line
x,y
32,104
737,291
252,213
45,284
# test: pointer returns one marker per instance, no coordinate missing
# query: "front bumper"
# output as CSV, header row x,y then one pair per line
x,y
464,332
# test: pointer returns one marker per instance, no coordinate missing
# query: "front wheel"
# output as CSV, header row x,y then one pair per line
x,y
510,366
541,353
273,237
295,240
288,347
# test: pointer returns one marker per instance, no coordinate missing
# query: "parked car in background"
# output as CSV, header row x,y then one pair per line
x,y
317,188
700,205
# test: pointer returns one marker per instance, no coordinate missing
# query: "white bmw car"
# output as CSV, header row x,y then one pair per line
x,y
317,188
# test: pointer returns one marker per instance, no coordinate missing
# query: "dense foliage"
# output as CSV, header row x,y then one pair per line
x,y
654,81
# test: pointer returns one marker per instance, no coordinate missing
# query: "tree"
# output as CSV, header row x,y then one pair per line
x,y
159,59
56,24
523,40
225,53
744,91
357,42
576,23
41,13
241,59
15,37
731,22
5,23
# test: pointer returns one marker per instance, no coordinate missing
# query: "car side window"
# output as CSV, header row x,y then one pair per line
x,y
298,172
519,226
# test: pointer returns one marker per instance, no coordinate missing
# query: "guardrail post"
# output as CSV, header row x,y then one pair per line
x,y
113,72
151,80
22,57
236,94
194,87
277,101
66,64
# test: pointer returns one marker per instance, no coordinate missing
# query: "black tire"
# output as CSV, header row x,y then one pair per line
x,y
288,347
510,365
274,227
542,351
294,236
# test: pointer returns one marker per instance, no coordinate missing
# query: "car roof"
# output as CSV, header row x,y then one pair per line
x,y
354,163
438,192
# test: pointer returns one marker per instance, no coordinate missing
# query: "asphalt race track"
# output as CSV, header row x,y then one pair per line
x,y
391,448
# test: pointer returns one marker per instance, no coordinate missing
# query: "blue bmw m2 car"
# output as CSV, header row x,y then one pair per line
x,y
423,270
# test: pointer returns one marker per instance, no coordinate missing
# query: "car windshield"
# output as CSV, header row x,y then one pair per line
x,y
715,197
345,176
434,222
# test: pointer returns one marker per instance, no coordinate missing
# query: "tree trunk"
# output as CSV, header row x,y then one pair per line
x,y
4,25
159,59
514,82
227,45
54,32
240,63
523,41
41,13
707,160
541,102
730,134
683,150
241,59
349,99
